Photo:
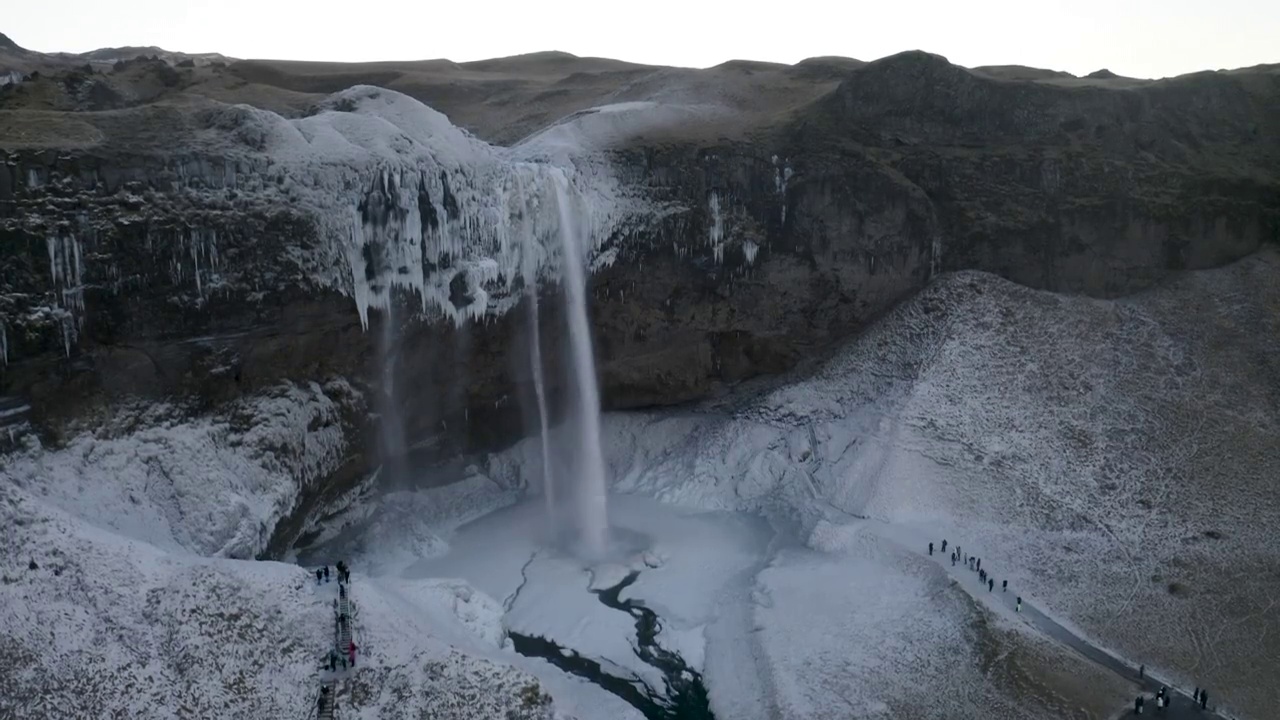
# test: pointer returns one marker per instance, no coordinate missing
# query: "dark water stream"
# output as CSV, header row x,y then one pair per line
x,y
684,697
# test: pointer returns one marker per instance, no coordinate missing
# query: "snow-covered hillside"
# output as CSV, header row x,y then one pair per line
x,y
123,597
1115,460
103,625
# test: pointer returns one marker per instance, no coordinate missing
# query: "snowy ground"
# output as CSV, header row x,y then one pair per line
x,y
546,591
850,623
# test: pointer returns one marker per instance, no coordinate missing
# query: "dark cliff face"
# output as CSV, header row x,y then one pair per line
x,y
126,271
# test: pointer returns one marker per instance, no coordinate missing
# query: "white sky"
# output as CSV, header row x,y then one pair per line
x,y
1141,38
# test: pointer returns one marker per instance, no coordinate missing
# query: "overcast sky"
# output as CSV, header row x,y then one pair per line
x,y
1141,38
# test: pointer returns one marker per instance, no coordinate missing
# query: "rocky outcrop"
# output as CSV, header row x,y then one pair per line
x,y
148,255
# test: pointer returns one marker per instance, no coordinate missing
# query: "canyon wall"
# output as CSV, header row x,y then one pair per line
x,y
175,250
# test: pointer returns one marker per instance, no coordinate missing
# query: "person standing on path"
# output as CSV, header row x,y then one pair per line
x,y
944,544
319,574
1137,705
1195,696
1004,586
326,573
351,650
1019,606
953,559
979,563
1204,699
991,585
931,549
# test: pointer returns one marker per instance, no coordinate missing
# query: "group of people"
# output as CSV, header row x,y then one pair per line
x,y
338,654
349,657
1162,699
975,564
343,573
1202,697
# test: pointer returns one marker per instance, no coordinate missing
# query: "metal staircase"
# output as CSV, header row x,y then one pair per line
x,y
343,631
344,615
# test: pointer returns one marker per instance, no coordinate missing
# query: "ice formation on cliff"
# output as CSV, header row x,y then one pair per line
x,y
403,199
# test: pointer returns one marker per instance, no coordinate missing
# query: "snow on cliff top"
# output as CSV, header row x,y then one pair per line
x,y
607,126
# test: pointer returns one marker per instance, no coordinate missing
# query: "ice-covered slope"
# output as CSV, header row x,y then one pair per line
x,y
1115,459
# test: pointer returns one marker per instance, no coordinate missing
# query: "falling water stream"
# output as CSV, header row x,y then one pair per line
x,y
588,501
393,446
529,270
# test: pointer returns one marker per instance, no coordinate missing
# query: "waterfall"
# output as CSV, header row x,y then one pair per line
x,y
393,446
588,501
529,270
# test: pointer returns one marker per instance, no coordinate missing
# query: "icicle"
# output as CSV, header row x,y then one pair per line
x,y
51,243
716,235
195,261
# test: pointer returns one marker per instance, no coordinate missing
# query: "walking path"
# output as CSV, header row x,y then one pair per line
x,y
1181,707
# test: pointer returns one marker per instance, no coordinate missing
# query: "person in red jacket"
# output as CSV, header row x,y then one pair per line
x,y
351,653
